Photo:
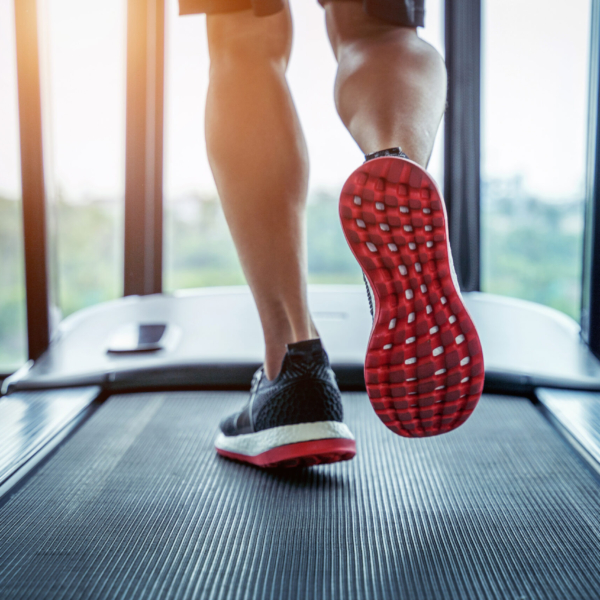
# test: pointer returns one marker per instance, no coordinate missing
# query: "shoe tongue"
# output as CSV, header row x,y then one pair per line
x,y
307,348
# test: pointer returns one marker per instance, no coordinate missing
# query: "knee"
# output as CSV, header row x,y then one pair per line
x,y
242,39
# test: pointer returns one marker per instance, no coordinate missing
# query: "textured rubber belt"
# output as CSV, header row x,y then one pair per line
x,y
137,505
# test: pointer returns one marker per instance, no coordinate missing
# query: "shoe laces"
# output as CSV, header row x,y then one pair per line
x,y
369,297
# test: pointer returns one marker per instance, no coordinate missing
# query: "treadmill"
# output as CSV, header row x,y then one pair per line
x,y
109,483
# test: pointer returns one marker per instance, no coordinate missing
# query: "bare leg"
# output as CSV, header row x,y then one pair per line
x,y
259,160
390,88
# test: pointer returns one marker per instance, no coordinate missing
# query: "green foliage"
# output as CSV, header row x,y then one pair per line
x,y
329,258
531,250
199,251
85,266
87,259
12,293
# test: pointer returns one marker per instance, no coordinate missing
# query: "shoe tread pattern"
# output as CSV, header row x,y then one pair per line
x,y
424,365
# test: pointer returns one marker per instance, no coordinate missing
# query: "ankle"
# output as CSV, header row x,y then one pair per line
x,y
307,331
275,350
273,358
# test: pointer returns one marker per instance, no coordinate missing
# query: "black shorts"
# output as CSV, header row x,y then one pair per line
x,y
404,13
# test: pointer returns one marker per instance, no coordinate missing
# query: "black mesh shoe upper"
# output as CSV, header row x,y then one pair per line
x,y
305,391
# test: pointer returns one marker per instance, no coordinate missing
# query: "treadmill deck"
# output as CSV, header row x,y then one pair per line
x,y
136,504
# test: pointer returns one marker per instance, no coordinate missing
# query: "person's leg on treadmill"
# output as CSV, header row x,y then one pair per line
x,y
258,156
424,366
390,89
259,160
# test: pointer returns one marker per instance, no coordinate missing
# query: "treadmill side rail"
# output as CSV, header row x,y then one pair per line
x,y
576,414
30,420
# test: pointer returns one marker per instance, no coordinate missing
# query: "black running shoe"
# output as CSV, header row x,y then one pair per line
x,y
295,419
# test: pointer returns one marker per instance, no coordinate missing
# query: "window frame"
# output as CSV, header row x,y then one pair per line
x,y
143,250
590,297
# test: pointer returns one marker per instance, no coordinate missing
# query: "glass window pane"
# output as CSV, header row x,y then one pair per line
x,y
198,247
13,344
83,64
535,72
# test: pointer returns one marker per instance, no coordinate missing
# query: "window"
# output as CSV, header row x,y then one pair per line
x,y
13,344
534,101
82,58
198,247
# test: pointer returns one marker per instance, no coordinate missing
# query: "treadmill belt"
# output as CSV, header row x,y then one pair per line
x,y
136,504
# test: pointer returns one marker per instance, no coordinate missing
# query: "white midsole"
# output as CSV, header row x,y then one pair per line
x,y
252,444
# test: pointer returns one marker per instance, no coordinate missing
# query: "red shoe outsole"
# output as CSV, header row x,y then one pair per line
x,y
301,454
424,364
